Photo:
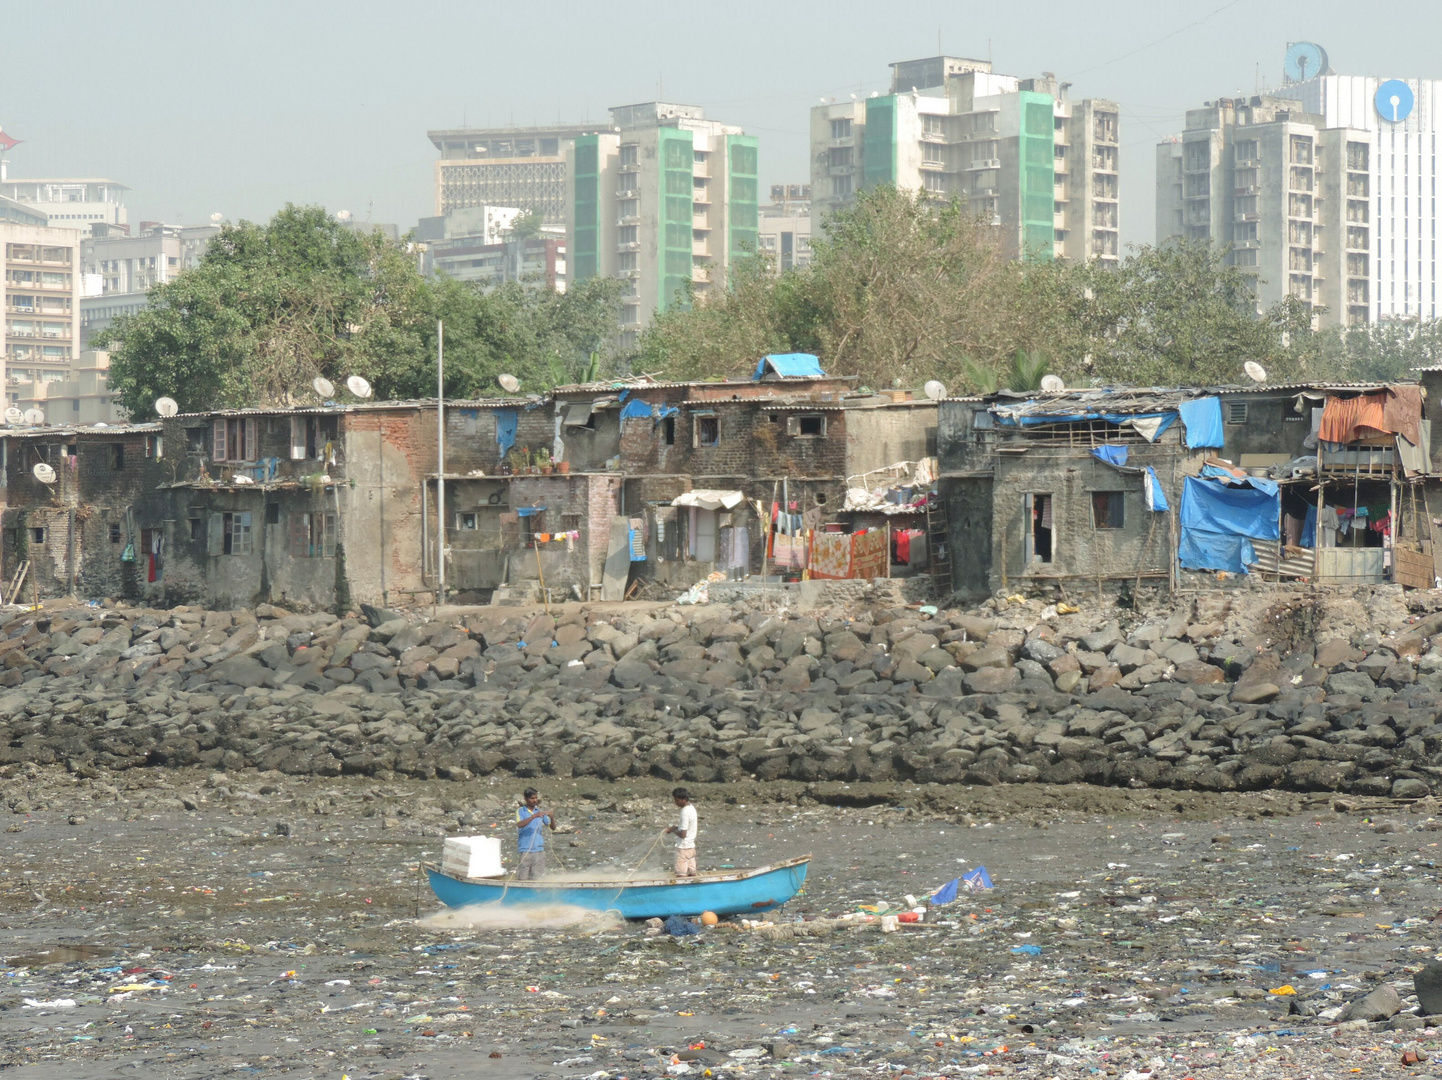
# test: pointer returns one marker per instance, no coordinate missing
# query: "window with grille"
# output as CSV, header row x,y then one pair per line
x,y
1236,412
708,430
841,129
312,534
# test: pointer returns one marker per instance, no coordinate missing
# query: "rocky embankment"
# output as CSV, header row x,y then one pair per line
x,y
1247,693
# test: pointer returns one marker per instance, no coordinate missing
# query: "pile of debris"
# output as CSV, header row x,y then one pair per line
x,y
1231,692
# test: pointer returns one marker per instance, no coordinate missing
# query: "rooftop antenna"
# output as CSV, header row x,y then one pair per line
x,y
35,417
324,387
43,472
1255,371
166,406
359,387
934,390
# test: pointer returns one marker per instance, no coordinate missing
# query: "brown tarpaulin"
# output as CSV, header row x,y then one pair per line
x,y
1396,410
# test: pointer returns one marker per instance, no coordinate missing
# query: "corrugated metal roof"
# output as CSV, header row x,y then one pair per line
x,y
369,406
41,431
1262,388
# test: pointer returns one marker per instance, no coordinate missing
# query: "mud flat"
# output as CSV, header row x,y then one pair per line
x,y
190,923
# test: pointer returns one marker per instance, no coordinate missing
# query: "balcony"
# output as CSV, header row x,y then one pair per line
x,y
632,246
932,166
1250,189
984,163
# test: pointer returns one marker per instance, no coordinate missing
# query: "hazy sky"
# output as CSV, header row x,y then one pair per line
x,y
239,108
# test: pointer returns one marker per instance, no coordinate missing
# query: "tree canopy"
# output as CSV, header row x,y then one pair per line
x,y
903,288
272,306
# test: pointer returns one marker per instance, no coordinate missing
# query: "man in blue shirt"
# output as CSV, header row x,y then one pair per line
x,y
530,819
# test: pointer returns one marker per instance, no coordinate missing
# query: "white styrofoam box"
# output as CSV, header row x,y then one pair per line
x,y
472,856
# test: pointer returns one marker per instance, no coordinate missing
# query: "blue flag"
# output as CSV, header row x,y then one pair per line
x,y
977,879
947,893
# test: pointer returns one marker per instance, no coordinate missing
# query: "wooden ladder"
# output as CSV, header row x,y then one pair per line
x,y
12,594
938,548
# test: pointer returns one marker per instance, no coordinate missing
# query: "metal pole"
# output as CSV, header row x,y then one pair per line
x,y
440,462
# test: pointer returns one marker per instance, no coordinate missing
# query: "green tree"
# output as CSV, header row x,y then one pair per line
x,y
272,306
901,287
1178,315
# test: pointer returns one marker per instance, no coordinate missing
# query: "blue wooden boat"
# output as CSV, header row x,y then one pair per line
x,y
736,892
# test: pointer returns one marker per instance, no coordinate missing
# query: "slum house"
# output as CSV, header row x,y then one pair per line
x,y
67,526
1065,490
1342,468
704,462
311,505
1116,485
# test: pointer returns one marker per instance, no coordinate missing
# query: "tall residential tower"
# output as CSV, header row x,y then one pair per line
x,y
1018,152
1323,190
662,198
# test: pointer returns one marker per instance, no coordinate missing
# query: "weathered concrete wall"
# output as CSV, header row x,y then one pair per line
x,y
1081,550
969,519
1273,426
876,438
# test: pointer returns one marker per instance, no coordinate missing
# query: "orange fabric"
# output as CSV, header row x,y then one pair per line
x,y
1394,411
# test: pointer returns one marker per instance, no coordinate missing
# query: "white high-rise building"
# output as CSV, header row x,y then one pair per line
x,y
71,204
1400,121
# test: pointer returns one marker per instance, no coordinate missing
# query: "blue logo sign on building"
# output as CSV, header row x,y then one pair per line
x,y
1394,101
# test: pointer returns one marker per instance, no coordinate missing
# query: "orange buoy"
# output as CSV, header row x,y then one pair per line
x,y
708,918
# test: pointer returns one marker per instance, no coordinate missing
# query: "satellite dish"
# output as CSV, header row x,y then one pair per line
x,y
14,416
1052,383
166,406
44,473
1303,61
342,215
1255,371
358,386
934,389
216,218
323,386
101,423
34,416
509,383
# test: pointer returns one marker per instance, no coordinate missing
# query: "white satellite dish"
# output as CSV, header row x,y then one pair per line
x,y
358,386
509,383
934,389
1052,383
166,406
1255,371
342,215
34,416
14,416
44,473
323,386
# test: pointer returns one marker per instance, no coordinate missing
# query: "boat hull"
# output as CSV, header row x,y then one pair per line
x,y
725,894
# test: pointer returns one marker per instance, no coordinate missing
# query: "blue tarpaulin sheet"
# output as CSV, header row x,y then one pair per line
x,y
1220,520
1261,483
636,408
1202,419
505,429
796,365
1037,420
1112,455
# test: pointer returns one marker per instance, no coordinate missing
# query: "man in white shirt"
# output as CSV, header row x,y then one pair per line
x,y
685,833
